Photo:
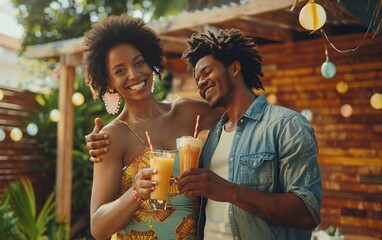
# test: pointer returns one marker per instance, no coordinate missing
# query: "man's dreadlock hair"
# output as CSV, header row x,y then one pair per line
x,y
110,32
229,45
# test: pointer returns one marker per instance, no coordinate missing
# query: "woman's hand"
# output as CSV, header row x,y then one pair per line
x,y
143,184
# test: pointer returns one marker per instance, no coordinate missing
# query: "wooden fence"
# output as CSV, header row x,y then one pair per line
x,y
17,158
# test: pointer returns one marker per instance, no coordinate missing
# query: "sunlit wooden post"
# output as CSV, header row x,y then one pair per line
x,y
65,141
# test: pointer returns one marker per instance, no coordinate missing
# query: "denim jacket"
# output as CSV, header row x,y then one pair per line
x,y
274,151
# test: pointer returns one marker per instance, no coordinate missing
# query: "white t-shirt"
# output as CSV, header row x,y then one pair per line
x,y
217,221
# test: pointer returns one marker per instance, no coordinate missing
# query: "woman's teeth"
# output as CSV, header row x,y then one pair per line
x,y
138,86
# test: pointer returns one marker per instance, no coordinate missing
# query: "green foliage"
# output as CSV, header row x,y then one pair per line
x,y
84,116
19,206
8,228
169,7
161,87
52,20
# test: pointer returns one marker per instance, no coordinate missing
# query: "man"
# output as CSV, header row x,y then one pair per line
x,y
259,175
259,168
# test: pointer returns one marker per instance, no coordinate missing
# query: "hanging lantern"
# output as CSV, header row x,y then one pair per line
x,y
32,129
312,16
346,110
78,99
328,69
272,98
376,101
16,134
342,87
2,134
307,114
1,94
54,115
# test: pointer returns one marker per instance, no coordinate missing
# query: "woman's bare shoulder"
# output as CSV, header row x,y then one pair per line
x,y
182,103
188,107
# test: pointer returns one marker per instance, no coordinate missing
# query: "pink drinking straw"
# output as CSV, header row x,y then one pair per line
x,y
149,141
196,125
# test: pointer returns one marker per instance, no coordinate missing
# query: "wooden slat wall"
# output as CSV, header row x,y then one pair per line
x,y
350,149
16,158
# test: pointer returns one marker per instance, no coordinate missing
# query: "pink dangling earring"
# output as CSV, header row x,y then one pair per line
x,y
112,101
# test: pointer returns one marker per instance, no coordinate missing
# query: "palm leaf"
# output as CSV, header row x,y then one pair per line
x,y
8,220
24,205
46,215
23,208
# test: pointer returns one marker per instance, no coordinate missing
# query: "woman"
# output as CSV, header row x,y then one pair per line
x,y
121,56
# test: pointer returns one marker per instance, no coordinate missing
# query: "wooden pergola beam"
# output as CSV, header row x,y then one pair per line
x,y
217,15
54,49
65,142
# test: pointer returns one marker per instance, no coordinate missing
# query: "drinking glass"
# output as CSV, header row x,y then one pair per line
x,y
163,162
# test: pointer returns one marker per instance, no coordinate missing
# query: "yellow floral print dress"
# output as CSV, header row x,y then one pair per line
x,y
176,223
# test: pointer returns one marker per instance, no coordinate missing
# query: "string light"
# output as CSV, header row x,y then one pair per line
x,y
342,87
307,114
54,115
2,134
16,134
328,69
1,94
373,18
346,110
78,99
376,101
32,129
272,98
312,16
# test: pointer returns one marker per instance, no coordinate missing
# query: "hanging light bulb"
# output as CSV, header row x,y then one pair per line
x,y
2,134
16,134
1,94
328,69
32,129
312,16
342,87
346,110
307,114
78,99
54,115
272,98
376,101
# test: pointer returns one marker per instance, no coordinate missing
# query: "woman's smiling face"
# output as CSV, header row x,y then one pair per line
x,y
129,72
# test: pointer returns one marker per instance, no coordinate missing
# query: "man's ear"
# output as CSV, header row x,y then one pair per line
x,y
236,68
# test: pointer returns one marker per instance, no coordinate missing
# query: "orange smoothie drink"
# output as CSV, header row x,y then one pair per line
x,y
162,161
189,152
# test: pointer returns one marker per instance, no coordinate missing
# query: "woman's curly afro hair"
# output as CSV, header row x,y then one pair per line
x,y
110,32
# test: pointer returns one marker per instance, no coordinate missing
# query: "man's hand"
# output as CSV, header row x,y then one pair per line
x,y
97,142
202,182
